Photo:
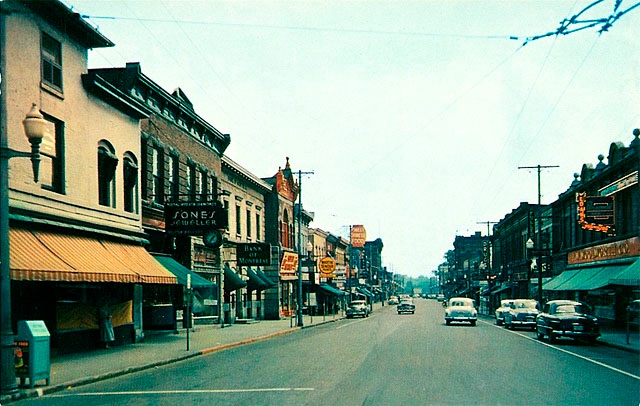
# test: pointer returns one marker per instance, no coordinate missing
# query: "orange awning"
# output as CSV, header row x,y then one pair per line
x,y
49,256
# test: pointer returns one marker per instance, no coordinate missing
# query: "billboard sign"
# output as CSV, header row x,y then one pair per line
x,y
194,218
289,264
255,254
358,236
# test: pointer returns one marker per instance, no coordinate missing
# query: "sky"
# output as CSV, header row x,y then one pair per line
x,y
414,116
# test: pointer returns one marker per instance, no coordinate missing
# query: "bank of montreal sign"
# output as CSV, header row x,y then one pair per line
x,y
194,218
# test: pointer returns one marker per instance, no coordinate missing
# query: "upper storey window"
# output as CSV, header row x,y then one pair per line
x,y
51,52
107,163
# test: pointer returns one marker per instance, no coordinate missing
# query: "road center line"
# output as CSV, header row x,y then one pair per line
x,y
177,392
569,352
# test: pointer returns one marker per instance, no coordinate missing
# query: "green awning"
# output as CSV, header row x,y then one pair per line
x,y
265,278
181,272
559,280
255,282
629,277
231,280
326,288
364,291
586,278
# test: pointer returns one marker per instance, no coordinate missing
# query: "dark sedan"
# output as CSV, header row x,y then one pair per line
x,y
567,318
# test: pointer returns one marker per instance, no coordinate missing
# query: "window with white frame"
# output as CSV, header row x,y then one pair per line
x,y
130,182
107,163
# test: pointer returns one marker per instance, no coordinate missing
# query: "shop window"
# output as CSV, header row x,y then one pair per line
x,y
107,163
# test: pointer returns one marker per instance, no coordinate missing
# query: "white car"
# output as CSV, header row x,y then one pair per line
x,y
501,312
461,309
522,313
357,308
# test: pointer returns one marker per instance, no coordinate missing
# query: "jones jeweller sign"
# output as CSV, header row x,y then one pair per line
x,y
194,218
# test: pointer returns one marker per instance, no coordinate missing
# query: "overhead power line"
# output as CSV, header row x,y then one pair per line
x,y
575,23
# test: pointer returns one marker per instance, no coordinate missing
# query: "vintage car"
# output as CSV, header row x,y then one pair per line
x,y
522,313
357,308
406,306
501,311
393,300
567,318
461,309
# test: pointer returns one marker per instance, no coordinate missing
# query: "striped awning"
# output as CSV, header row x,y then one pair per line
x,y
50,256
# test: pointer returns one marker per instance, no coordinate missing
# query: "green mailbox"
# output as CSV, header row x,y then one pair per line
x,y
32,353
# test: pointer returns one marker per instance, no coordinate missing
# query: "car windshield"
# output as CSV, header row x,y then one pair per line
x,y
571,308
460,303
524,305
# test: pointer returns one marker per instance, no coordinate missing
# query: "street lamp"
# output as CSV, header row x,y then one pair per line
x,y
35,127
530,254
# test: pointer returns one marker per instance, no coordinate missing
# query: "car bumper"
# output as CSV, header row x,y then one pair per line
x,y
576,334
461,319
520,323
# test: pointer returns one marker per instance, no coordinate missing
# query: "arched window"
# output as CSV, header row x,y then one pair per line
x,y
130,180
107,163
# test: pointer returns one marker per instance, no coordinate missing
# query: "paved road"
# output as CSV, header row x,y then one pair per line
x,y
386,359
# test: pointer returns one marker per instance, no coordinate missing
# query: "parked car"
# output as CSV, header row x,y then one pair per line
x,y
522,313
501,311
357,308
440,297
461,309
406,306
567,318
393,300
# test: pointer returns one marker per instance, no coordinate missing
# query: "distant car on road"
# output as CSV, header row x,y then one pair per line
x,y
393,300
357,308
522,313
501,311
567,318
440,297
406,306
461,309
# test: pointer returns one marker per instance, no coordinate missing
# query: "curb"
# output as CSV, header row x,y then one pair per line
x,y
39,392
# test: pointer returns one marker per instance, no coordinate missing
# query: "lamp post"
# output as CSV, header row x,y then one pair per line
x,y
310,271
35,127
529,245
299,304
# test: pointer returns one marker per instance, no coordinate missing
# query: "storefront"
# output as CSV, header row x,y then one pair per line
x,y
63,277
606,277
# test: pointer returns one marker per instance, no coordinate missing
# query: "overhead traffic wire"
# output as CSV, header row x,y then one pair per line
x,y
574,23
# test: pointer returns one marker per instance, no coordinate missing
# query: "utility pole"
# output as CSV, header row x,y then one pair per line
x,y
299,300
538,247
486,255
488,223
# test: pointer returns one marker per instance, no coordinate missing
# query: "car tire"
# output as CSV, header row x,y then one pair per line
x,y
552,338
448,322
473,323
498,322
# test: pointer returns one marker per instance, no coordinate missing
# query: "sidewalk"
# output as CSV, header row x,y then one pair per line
x,y
68,370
